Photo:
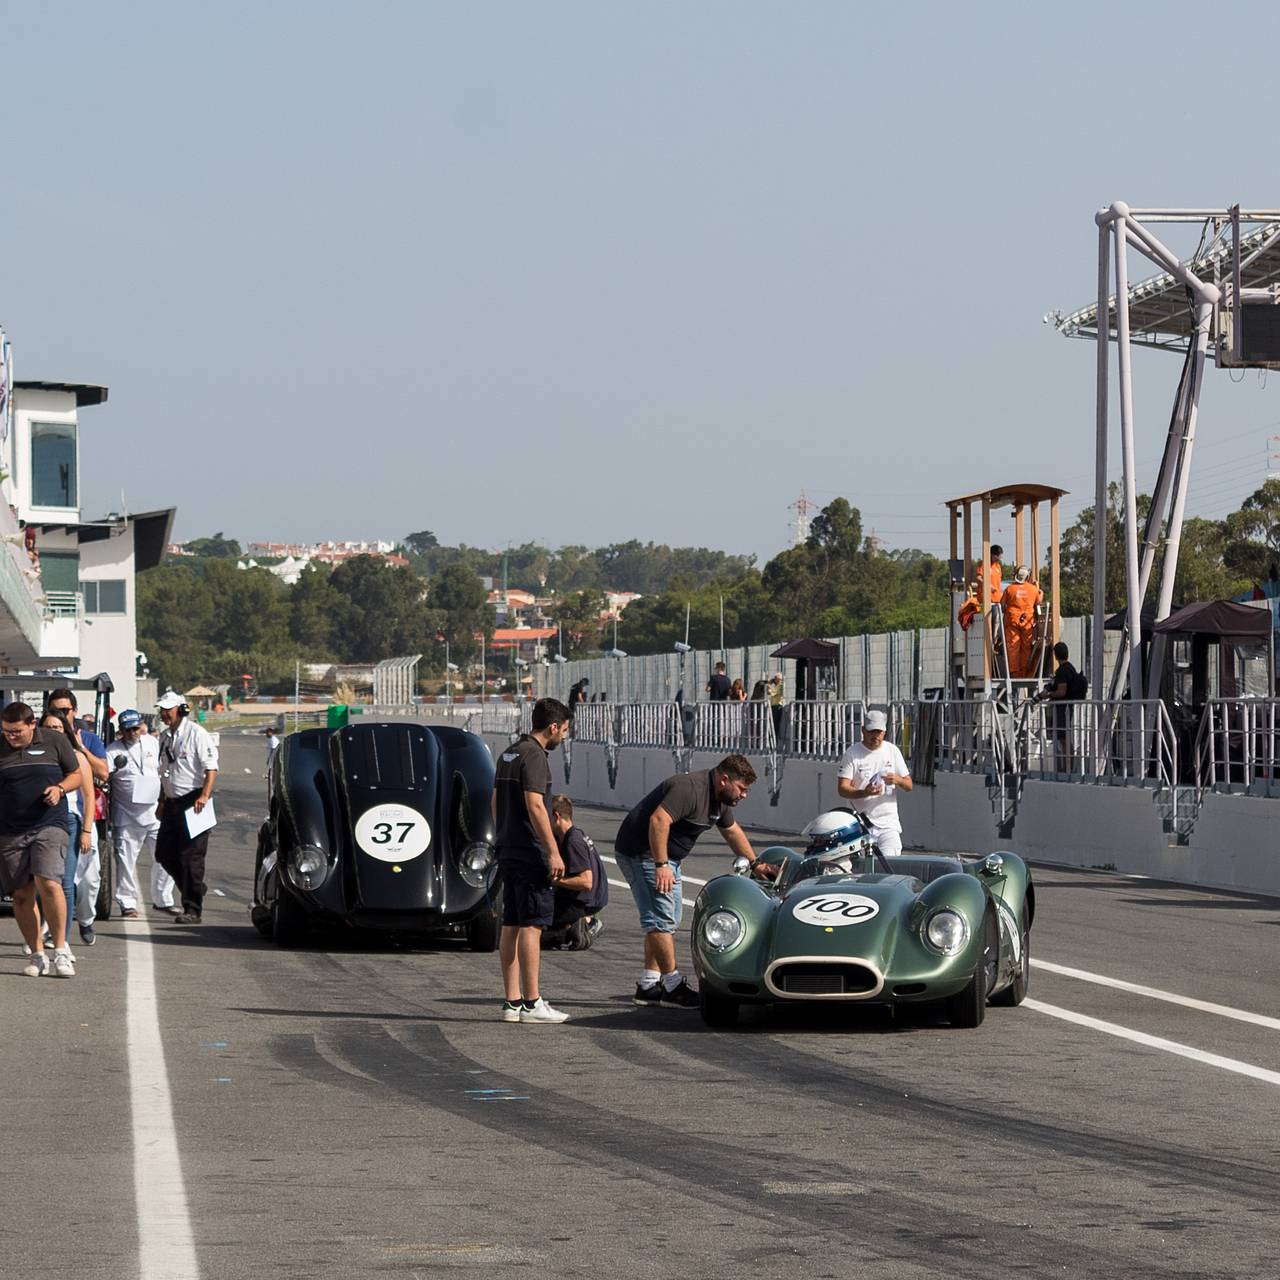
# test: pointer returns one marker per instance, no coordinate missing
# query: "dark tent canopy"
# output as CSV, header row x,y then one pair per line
x,y
813,650
1239,623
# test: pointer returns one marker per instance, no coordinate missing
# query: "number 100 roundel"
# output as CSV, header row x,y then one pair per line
x,y
393,833
832,909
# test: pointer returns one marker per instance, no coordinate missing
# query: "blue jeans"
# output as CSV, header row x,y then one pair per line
x,y
659,912
69,870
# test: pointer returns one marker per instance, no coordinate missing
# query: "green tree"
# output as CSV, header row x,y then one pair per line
x,y
214,546
318,614
421,542
386,613
1251,545
461,607
578,617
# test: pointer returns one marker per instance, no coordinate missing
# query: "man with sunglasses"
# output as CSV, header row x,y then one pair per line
x,y
188,770
135,792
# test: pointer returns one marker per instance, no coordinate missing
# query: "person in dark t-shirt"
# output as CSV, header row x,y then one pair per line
x,y
1066,686
575,922
718,686
529,859
37,770
651,842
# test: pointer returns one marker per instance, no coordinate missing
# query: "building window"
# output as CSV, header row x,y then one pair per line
x,y
104,596
60,571
53,465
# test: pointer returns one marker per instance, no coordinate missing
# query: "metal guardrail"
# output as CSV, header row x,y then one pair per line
x,y
649,724
63,604
593,721
967,737
733,726
1237,747
1126,742
821,730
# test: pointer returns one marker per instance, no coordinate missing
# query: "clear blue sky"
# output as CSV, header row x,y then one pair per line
x,y
587,272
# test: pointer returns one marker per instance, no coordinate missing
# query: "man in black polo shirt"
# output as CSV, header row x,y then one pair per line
x,y
718,686
529,859
37,770
651,842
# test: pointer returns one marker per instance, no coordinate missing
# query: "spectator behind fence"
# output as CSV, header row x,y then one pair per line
x,y
37,769
737,691
717,688
1068,685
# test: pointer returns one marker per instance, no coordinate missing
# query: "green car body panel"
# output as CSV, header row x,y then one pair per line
x,y
788,952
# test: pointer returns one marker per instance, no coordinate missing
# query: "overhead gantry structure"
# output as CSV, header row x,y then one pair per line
x,y
1226,296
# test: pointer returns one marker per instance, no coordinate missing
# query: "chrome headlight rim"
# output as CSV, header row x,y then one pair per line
x,y
476,863
941,916
734,930
308,867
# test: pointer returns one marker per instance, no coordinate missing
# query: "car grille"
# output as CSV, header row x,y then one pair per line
x,y
843,978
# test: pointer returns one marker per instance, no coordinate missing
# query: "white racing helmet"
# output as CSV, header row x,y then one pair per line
x,y
835,834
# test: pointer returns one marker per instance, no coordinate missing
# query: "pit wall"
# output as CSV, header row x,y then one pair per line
x,y
1235,844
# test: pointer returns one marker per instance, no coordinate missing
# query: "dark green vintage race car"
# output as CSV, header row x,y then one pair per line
x,y
843,922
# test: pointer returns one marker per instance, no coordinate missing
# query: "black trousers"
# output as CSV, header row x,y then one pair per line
x,y
180,855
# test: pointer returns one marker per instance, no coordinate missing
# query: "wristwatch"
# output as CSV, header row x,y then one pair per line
x,y
667,863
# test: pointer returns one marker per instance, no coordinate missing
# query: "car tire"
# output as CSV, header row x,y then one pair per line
x,y
483,931
107,878
967,1008
1016,992
288,920
720,1012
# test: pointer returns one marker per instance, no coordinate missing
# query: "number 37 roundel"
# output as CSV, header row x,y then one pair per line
x,y
393,833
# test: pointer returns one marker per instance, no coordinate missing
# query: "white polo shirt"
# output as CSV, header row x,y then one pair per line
x,y
187,753
861,764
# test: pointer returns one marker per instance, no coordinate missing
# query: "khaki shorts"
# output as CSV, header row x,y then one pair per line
x,y
40,852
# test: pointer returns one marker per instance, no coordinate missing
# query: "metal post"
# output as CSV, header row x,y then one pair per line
x,y
1124,356
1169,570
297,691
1100,465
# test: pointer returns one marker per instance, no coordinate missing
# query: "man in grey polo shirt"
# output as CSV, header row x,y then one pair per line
x,y
651,842
37,769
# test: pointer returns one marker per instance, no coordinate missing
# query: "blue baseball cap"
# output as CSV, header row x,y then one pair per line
x,y
129,719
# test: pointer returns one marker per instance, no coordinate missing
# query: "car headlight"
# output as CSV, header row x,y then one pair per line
x,y
309,867
475,864
722,930
946,931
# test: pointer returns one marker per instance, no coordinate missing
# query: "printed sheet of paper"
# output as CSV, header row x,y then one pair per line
x,y
198,822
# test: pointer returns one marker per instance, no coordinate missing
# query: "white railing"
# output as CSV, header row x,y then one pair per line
x,y
1238,746
733,726
593,721
649,724
821,730
967,737
63,604
1127,742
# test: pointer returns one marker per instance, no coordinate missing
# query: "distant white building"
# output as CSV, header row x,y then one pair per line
x,y
68,602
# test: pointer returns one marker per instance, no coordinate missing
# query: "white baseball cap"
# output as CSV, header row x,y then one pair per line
x,y
875,720
171,699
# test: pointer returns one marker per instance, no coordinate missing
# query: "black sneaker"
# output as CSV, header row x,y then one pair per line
x,y
682,996
87,935
595,928
648,997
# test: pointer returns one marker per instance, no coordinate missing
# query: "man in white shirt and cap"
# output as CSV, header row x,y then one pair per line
x,y
135,792
188,770
870,774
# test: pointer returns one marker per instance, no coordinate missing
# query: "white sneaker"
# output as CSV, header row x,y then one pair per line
x,y
37,966
542,1012
64,965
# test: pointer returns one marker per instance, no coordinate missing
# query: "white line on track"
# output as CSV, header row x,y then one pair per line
x,y
1156,1042
624,885
166,1246
1154,993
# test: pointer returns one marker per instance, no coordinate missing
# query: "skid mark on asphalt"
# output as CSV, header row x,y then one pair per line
x,y
1154,993
166,1245
841,1088
1156,1042
421,1064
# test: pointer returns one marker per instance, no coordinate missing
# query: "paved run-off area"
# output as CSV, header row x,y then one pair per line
x,y
354,1109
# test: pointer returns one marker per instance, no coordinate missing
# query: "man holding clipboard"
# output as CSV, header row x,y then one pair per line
x,y
188,770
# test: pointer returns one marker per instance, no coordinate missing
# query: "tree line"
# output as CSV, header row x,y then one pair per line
x,y
202,619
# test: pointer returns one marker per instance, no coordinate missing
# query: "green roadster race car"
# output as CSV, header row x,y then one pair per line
x,y
842,922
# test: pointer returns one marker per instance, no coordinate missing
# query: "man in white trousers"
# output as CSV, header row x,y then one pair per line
x,y
135,792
